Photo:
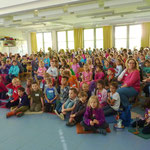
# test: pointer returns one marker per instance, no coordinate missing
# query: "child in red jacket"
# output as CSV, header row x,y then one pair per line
x,y
14,100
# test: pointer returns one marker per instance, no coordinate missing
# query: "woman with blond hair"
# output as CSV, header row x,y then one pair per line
x,y
131,81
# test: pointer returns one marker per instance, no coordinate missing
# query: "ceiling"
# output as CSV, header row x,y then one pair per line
x,y
47,15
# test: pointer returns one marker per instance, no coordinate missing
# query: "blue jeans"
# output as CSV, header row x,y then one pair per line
x,y
59,107
125,93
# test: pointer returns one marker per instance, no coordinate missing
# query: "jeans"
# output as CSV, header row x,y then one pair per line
x,y
59,107
108,111
125,93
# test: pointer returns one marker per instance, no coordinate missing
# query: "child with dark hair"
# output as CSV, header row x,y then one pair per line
x,y
23,105
50,96
79,110
69,105
63,91
36,102
113,100
144,122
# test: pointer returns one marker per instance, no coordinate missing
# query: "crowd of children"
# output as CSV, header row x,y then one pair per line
x,y
79,86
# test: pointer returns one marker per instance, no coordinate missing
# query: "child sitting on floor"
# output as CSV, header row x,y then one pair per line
x,y
94,119
29,86
144,122
101,93
79,110
36,102
85,88
69,105
50,96
23,105
113,100
63,91
14,99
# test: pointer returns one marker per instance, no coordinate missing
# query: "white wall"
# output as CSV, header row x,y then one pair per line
x,y
21,42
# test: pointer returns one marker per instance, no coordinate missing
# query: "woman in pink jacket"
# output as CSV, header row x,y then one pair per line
x,y
131,82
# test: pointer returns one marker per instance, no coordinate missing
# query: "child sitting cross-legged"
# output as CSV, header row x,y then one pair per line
x,y
23,105
79,110
94,119
50,96
113,100
36,102
69,105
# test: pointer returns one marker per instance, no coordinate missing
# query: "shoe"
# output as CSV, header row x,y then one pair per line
x,y
108,130
9,114
56,112
62,116
102,131
70,124
19,114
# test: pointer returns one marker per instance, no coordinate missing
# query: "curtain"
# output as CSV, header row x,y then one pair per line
x,y
107,37
145,40
33,42
78,38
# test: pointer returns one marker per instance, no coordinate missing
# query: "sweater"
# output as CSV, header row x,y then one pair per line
x,y
24,101
14,70
15,95
132,79
97,113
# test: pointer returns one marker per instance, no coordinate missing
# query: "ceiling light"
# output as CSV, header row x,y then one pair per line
x,y
83,7
51,13
120,2
23,17
143,8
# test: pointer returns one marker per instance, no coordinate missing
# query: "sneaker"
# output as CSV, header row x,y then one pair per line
x,y
62,116
102,131
70,124
19,114
56,112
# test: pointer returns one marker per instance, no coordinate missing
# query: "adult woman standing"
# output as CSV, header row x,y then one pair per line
x,y
131,81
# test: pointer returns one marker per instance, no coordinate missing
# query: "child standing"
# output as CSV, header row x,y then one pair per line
x,y
113,100
69,105
101,93
50,96
23,105
79,110
94,119
36,102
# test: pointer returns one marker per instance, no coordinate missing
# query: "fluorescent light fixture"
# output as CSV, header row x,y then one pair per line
x,y
21,17
141,14
51,13
83,7
97,15
143,8
120,2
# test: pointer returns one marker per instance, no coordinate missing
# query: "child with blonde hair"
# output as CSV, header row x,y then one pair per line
x,y
14,100
94,119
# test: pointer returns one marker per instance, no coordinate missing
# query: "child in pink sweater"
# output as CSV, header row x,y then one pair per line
x,y
99,74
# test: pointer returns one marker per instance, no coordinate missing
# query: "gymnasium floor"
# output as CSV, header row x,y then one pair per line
x,y
48,132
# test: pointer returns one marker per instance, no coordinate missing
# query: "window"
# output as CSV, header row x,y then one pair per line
x,y
44,40
99,37
89,38
61,38
121,37
47,41
39,37
135,32
70,39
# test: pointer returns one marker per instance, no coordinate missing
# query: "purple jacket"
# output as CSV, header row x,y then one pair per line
x,y
98,114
